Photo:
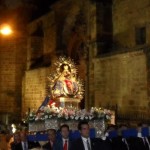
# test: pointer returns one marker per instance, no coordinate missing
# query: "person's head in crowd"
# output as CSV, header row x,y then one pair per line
x,y
111,127
23,136
139,127
16,137
123,127
64,130
144,125
84,129
51,135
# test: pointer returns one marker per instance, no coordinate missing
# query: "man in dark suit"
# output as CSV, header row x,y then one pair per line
x,y
23,143
137,143
64,142
16,142
85,142
51,140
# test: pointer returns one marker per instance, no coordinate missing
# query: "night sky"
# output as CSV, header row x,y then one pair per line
x,y
23,11
43,6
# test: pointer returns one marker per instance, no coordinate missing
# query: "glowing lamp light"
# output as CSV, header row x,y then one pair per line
x,y
13,128
6,30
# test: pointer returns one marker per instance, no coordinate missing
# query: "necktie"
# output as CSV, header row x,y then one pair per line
x,y
25,146
88,145
125,141
146,143
65,145
51,144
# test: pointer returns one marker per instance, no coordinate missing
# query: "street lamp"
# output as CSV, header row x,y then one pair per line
x,y
5,29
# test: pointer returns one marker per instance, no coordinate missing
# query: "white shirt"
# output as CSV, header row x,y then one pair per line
x,y
85,142
22,143
64,140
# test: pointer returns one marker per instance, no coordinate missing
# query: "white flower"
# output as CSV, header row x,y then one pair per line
x,y
77,117
66,117
50,116
45,109
42,118
106,134
36,118
108,117
72,117
82,117
59,115
46,116
31,115
90,117
92,110
86,117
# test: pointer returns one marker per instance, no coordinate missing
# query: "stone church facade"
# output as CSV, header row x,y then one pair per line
x,y
109,41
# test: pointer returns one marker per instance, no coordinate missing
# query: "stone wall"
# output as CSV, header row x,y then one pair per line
x,y
12,67
100,33
35,89
13,57
127,15
122,80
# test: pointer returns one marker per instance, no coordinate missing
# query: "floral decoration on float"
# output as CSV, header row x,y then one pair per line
x,y
69,113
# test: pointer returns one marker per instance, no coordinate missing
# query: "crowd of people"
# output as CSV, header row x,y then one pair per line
x,y
84,142
64,143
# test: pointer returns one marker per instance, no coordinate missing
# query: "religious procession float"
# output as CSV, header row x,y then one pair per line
x,y
61,105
